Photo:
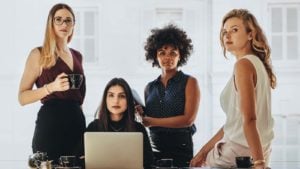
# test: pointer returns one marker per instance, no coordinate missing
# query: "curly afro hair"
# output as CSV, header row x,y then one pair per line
x,y
168,35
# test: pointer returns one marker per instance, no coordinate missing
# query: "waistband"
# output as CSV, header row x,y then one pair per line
x,y
169,130
192,129
61,102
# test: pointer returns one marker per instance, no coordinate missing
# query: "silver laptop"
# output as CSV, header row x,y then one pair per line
x,y
113,150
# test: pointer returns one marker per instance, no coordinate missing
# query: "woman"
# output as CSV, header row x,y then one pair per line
x,y
246,99
171,100
60,123
117,114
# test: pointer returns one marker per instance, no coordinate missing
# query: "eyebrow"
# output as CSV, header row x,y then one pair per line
x,y
68,17
161,49
230,27
234,26
116,93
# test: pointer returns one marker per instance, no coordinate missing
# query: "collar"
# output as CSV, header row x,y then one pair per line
x,y
177,77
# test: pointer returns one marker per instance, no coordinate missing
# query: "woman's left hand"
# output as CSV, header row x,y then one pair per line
x,y
146,121
261,166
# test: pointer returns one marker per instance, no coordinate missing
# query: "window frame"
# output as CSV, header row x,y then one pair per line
x,y
284,62
80,10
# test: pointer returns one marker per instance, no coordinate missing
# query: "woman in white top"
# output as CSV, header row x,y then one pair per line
x,y
246,99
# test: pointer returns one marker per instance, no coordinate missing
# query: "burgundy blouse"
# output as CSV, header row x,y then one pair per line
x,y
49,75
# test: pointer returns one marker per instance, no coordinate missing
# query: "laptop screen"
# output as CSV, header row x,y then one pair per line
x,y
113,150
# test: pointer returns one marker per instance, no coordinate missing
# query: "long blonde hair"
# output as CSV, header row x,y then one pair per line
x,y
259,43
48,52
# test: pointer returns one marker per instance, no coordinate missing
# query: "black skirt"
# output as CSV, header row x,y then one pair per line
x,y
59,129
176,145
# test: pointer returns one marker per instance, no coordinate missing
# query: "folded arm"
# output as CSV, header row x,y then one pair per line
x,y
192,95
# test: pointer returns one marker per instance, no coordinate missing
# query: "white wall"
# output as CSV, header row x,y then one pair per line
x,y
123,29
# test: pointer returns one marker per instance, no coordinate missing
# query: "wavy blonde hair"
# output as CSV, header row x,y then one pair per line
x,y
49,49
259,43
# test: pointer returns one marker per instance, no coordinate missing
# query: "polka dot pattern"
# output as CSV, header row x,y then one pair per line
x,y
166,101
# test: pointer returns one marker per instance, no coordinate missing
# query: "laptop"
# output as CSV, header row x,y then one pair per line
x,y
113,150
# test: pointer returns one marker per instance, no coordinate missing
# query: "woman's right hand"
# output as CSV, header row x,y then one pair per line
x,y
199,159
61,83
139,110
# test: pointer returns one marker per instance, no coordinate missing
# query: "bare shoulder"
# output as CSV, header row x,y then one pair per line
x,y
192,81
33,59
244,66
34,55
245,73
192,85
33,62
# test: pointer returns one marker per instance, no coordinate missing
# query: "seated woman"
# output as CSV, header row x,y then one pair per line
x,y
246,99
117,114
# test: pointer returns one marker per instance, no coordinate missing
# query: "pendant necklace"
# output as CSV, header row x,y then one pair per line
x,y
115,129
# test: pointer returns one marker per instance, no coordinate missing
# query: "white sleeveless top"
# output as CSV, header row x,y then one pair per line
x,y
233,128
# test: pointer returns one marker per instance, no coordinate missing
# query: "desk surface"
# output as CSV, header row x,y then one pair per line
x,y
273,165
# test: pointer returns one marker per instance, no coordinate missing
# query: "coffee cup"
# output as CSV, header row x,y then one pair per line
x,y
36,159
67,161
167,162
75,80
67,167
243,162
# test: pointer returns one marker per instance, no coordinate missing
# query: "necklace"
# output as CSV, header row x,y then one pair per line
x,y
116,129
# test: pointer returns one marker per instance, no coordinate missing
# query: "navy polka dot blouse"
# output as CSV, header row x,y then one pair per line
x,y
161,102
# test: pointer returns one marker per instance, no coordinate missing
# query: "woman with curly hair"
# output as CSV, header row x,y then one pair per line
x,y
171,100
246,99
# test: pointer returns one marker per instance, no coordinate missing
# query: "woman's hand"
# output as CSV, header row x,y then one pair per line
x,y
141,116
199,159
146,121
61,83
139,113
139,110
260,164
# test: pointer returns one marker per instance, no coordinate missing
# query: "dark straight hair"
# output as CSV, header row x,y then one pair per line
x,y
104,114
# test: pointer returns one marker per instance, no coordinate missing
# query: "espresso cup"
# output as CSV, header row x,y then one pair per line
x,y
36,159
167,162
67,161
75,80
68,167
243,162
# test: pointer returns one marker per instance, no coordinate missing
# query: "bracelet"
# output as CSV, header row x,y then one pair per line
x,y
47,90
259,162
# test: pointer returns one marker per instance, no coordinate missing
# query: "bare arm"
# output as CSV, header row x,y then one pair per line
x,y
192,95
31,72
200,157
245,80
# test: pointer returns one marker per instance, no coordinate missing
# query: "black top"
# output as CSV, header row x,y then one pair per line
x,y
169,101
95,126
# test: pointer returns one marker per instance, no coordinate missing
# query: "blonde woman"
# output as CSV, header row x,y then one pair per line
x,y
246,99
60,122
